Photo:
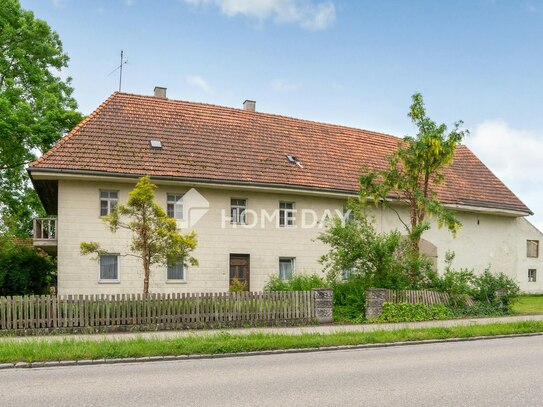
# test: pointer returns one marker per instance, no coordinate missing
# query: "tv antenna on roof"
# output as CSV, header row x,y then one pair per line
x,y
120,69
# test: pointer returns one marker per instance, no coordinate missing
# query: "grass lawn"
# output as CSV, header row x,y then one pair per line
x,y
36,350
529,304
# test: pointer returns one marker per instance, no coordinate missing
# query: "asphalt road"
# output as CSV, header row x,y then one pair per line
x,y
499,372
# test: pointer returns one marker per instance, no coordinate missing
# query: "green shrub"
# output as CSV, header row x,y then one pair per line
x,y
457,283
298,282
237,286
350,299
24,270
406,312
382,259
481,288
349,295
487,284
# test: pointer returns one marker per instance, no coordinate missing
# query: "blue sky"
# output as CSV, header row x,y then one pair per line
x,y
347,62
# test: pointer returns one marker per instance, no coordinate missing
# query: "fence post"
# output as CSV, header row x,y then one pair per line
x,y
323,303
375,297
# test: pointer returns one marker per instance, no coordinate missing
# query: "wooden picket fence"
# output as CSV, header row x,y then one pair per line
x,y
416,296
154,311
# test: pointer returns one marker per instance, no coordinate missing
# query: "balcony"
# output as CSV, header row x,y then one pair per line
x,y
45,234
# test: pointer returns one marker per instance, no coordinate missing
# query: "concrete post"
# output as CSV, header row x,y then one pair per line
x,y
324,300
375,297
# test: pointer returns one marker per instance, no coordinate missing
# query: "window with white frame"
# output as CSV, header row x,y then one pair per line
x,y
287,214
286,267
238,211
176,272
108,201
109,267
532,275
175,206
532,248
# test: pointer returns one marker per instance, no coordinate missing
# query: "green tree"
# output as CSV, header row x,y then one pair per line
x,y
24,270
412,176
376,259
36,108
155,238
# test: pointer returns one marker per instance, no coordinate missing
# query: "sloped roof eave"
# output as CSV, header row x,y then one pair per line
x,y
500,209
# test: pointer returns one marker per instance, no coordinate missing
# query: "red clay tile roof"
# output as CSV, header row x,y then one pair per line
x,y
221,144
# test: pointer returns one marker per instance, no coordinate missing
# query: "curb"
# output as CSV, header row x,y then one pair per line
x,y
87,362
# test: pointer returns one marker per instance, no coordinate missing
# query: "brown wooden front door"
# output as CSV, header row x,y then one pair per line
x,y
240,268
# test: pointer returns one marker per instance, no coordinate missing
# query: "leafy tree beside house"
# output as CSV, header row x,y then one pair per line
x,y
155,238
413,173
36,109
24,270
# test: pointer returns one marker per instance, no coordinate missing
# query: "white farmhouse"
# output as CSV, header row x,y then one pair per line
x,y
255,187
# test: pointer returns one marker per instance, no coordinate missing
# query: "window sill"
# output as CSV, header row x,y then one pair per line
x,y
176,281
109,282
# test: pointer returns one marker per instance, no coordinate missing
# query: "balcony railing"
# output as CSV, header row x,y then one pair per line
x,y
45,231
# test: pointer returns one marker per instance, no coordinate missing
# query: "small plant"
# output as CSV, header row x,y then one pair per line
x,y
406,312
298,282
237,286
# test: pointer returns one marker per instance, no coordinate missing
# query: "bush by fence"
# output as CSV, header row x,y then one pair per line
x,y
376,297
34,314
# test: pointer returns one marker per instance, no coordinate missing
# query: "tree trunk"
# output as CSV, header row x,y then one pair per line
x,y
146,274
414,241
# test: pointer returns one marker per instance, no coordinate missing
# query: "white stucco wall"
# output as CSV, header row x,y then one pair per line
x,y
485,239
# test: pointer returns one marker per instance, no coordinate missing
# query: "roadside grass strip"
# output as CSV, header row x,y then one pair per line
x,y
52,349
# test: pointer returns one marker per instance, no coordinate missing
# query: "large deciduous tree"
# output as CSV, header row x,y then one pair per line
x,y
155,238
36,108
414,172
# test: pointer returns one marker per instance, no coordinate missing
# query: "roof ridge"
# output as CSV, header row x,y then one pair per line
x,y
237,109
81,124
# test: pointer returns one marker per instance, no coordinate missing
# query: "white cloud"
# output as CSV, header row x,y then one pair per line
x,y
308,14
129,3
281,86
199,82
514,155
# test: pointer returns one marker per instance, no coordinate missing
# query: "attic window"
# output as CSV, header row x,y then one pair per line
x,y
155,144
294,160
